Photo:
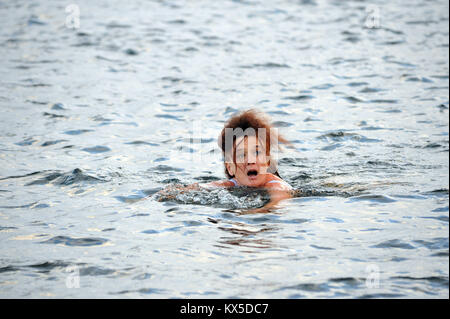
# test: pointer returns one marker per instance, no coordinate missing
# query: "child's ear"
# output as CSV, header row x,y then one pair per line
x,y
231,168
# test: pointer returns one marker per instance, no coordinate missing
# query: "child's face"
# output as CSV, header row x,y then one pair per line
x,y
251,162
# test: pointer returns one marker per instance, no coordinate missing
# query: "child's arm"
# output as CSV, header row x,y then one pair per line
x,y
219,184
277,193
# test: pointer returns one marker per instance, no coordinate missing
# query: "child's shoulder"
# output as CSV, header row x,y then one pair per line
x,y
274,181
224,183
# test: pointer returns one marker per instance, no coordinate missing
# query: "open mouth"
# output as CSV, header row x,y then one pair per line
x,y
252,172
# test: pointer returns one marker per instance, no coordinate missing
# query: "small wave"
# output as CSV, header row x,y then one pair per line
x,y
436,243
418,79
131,51
96,271
347,281
34,20
77,132
309,287
437,192
96,149
26,142
20,206
322,247
381,296
370,90
373,198
70,241
324,86
8,269
383,101
58,107
434,280
7,228
269,65
47,266
48,143
142,143
353,99
162,169
331,147
339,136
355,84
282,124
43,267
129,199
300,98
394,243
169,117
145,291
116,25
20,176
140,195
74,177
440,218
53,116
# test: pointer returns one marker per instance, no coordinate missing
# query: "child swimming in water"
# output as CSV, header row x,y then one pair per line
x,y
246,141
247,157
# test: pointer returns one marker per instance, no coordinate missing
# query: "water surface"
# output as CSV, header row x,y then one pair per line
x,y
96,120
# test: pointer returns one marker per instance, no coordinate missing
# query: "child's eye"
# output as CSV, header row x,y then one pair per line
x,y
259,153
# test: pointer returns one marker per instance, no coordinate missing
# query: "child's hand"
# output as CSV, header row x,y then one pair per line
x,y
276,195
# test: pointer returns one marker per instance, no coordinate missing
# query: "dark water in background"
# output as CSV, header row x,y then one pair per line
x,y
95,120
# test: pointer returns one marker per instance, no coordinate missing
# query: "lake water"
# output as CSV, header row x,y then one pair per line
x,y
101,112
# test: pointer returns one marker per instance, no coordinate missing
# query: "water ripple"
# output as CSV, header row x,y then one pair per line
x,y
394,243
70,241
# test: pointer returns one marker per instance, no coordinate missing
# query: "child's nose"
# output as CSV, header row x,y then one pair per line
x,y
251,159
